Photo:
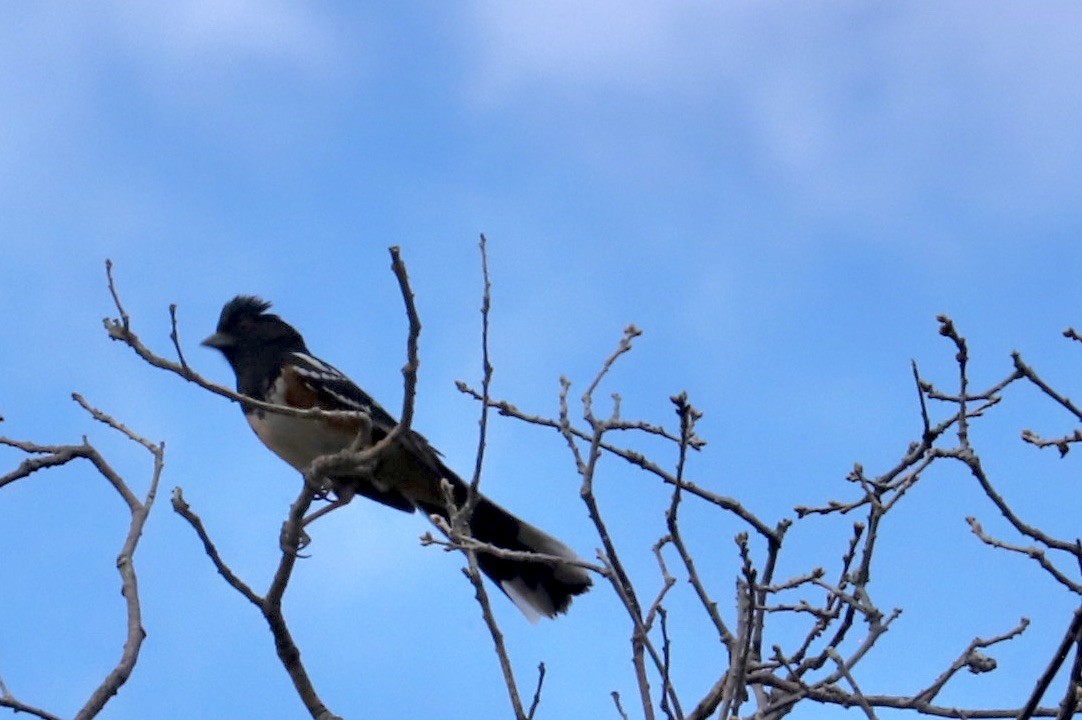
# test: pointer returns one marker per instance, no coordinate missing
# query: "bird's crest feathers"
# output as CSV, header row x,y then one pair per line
x,y
240,308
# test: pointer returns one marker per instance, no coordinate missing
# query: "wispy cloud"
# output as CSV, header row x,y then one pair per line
x,y
576,44
69,72
847,110
199,31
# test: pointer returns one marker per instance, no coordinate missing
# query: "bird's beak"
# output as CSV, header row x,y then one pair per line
x,y
219,341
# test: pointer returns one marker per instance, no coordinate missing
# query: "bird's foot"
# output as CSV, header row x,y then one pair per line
x,y
292,541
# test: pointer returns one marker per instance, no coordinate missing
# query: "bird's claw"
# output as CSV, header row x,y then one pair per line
x,y
293,542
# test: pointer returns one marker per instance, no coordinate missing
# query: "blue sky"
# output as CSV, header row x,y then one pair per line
x,y
783,196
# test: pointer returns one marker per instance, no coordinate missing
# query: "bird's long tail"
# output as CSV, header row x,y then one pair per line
x,y
537,588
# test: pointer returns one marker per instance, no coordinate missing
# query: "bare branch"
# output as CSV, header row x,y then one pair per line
x,y
1069,704
1030,374
457,527
1063,444
537,691
843,668
409,372
619,708
1035,553
175,336
971,658
974,464
125,321
486,378
139,511
182,508
1072,637
126,566
9,701
472,544
667,581
947,329
927,434
473,573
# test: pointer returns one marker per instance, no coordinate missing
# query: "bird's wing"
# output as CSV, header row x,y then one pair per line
x,y
333,390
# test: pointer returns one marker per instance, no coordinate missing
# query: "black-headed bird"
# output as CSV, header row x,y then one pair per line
x,y
273,364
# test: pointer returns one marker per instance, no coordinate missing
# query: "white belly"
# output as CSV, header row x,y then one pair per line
x,y
295,440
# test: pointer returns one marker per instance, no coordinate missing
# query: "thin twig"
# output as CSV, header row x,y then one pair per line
x,y
182,508
174,335
125,321
12,703
537,691
970,658
862,701
469,543
1030,374
1070,638
1071,698
486,377
923,404
619,708
1040,556
409,371
458,526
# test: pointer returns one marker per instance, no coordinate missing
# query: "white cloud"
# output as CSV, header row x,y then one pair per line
x,y
62,66
850,110
195,31
568,41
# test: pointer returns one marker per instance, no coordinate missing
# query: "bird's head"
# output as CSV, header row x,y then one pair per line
x,y
246,330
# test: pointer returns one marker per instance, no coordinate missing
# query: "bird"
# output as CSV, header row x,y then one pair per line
x,y
272,363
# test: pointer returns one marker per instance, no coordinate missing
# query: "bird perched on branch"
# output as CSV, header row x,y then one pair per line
x,y
273,364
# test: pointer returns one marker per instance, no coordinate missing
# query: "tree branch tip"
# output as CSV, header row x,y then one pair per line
x,y
114,328
177,499
427,539
978,663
